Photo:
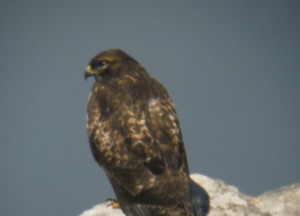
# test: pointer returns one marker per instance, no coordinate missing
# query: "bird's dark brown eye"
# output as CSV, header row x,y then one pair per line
x,y
98,65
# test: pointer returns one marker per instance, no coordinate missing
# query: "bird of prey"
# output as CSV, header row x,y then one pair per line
x,y
135,136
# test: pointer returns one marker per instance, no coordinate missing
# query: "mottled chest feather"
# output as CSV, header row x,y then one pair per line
x,y
125,127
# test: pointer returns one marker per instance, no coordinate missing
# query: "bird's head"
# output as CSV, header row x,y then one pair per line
x,y
107,63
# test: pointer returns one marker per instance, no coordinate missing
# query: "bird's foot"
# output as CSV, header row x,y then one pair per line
x,y
113,203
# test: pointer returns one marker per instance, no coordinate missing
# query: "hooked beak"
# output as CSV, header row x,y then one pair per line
x,y
89,72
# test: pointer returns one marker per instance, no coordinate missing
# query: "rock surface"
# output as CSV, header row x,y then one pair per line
x,y
226,200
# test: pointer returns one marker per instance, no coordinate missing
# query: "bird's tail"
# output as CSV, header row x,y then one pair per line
x,y
200,199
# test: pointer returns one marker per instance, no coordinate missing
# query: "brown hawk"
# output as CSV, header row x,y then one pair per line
x,y
135,136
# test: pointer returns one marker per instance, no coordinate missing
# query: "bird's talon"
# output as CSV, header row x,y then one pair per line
x,y
113,203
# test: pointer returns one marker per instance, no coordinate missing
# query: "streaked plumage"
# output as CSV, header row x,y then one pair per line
x,y
135,136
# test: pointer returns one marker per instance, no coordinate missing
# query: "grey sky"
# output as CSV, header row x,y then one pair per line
x,y
231,67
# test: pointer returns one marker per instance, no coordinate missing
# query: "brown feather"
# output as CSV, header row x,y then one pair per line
x,y
135,136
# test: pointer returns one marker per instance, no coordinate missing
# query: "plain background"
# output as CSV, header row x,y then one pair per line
x,y
231,67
